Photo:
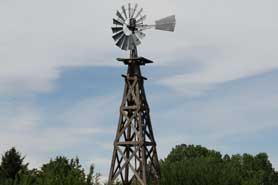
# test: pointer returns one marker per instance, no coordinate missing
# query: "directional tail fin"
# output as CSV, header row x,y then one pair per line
x,y
166,24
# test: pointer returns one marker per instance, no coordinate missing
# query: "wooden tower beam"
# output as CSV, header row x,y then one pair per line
x,y
134,159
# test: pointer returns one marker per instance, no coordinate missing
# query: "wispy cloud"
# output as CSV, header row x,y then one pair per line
x,y
31,130
229,39
37,38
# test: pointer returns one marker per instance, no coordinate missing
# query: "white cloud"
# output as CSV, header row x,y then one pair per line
x,y
40,135
101,161
229,39
91,112
37,38
225,116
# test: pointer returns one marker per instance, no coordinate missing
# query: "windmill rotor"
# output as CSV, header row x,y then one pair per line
x,y
129,26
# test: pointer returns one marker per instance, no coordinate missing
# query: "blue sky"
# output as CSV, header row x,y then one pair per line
x,y
214,81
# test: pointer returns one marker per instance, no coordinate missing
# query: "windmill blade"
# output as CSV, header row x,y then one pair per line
x,y
134,10
129,10
135,40
139,13
140,34
131,44
118,35
120,41
125,43
117,22
116,29
124,11
141,19
166,24
120,16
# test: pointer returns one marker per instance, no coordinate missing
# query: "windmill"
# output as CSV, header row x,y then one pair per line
x,y
134,159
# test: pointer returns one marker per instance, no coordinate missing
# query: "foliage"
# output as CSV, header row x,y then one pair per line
x,y
185,165
11,165
196,165
60,171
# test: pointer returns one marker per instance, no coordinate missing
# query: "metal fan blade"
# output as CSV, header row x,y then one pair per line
x,y
141,19
134,10
116,29
120,16
131,44
124,11
125,43
129,10
135,39
117,22
166,24
118,35
120,41
139,13
140,34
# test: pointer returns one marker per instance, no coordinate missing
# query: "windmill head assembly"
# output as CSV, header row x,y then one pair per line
x,y
134,158
129,26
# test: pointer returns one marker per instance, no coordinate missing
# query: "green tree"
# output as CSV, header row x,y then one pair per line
x,y
63,171
93,178
196,165
11,165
